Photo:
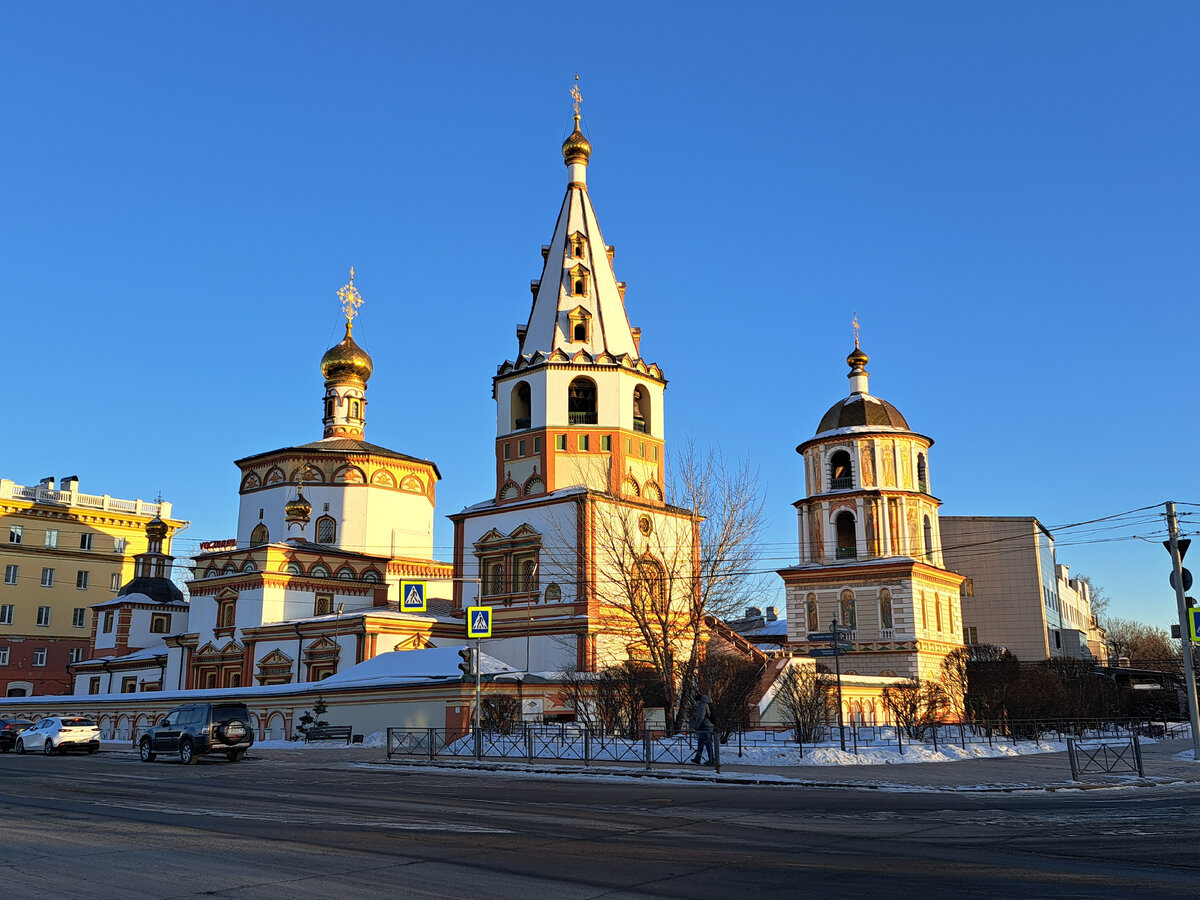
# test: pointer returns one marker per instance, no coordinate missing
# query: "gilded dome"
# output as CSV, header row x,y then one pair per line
x,y
346,358
576,148
857,357
297,509
156,528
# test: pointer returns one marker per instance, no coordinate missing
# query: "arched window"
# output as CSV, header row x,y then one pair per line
x,y
641,410
496,579
579,283
922,474
248,566
326,530
847,542
924,613
228,570
937,611
649,592
294,569
886,621
329,407
355,409
260,535
345,573
371,576
520,404
849,613
226,613
528,569
841,471
812,614
580,331
581,402
928,540
319,571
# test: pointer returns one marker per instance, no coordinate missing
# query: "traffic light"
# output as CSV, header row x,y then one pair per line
x,y
468,657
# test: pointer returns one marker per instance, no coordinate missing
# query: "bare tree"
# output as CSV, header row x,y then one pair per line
x,y
806,700
729,678
916,705
1100,600
1145,646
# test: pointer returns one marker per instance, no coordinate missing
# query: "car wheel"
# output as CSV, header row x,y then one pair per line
x,y
146,750
187,755
235,755
92,748
20,746
48,747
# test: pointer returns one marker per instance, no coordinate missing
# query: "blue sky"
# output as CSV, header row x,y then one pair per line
x,y
1006,195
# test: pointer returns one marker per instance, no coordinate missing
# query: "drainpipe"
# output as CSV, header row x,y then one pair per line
x,y
299,651
109,671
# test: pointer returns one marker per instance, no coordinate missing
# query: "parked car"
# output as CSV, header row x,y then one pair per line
x,y
9,729
200,729
57,734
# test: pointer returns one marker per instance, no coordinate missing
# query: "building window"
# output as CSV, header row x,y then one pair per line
x,y
15,533
52,537
85,541
508,451
641,411
847,539
43,616
10,574
109,618
323,605
496,578
581,402
970,635
94,685
118,545
159,623
841,472
79,617
628,446
3,656
6,614
520,448
928,531
75,654
47,578
81,580
560,442
922,474
528,571
326,530
585,442
39,656
226,613
606,442
114,583
924,613
937,611
537,445
129,684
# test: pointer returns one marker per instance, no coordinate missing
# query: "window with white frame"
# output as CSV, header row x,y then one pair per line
x,y
6,614
3,656
118,545
16,533
114,583
10,574
970,635
51,537
81,580
109,618
39,656
47,578
160,623
85,541
79,617
43,617
75,654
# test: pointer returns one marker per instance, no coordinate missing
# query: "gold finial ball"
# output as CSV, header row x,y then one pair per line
x,y
346,358
576,148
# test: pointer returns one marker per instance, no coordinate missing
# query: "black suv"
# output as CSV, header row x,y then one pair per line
x,y
198,729
9,729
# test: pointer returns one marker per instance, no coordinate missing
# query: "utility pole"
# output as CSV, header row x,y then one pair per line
x,y
1186,646
837,667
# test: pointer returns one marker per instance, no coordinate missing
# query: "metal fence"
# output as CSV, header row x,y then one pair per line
x,y
1105,757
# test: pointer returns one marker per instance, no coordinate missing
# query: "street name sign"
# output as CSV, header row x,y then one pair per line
x,y
479,621
412,596
824,651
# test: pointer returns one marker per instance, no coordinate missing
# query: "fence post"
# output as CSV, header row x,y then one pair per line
x,y
478,744
855,733
899,740
1137,755
962,735
432,743
935,731
646,746
587,746
739,745
717,753
1071,757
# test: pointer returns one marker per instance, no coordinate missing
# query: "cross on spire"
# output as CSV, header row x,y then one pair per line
x,y
575,95
856,331
351,299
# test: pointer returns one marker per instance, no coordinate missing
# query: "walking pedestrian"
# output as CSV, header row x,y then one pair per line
x,y
703,725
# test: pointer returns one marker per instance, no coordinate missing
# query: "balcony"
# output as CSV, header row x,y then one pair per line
x,y
846,553
521,424
639,425
841,484
581,418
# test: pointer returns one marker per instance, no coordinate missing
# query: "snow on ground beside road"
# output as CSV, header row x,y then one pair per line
x,y
913,753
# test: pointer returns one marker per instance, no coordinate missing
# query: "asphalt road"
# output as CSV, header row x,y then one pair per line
x,y
111,826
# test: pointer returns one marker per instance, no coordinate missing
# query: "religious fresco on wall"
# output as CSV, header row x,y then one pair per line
x,y
849,613
894,525
906,471
885,610
815,539
867,465
914,535
872,536
889,464
812,614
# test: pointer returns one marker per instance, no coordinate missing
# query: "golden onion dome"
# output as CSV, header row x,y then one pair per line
x,y
346,358
297,509
857,357
576,148
156,528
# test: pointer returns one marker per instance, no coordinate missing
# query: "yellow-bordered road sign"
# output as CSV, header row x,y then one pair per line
x,y
1194,622
479,621
412,596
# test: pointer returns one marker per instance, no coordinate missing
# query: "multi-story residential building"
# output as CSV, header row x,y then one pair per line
x,y
62,552
1017,596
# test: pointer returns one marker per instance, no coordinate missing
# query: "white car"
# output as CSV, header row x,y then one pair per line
x,y
57,734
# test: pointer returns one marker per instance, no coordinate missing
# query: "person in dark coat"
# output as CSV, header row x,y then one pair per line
x,y
703,725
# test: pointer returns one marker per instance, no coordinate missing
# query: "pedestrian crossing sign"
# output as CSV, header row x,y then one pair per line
x,y
412,596
479,621
1194,622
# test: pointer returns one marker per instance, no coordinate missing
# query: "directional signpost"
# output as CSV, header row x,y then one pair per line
x,y
835,637
412,596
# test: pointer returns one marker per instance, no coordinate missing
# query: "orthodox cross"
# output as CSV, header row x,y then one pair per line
x,y
351,298
575,95
855,331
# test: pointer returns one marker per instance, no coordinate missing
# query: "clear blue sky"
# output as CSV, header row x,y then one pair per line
x,y
1006,194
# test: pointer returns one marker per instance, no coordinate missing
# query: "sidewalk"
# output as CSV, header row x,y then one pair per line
x,y
1042,771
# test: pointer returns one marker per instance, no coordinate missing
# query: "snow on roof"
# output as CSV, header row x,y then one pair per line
x,y
414,665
